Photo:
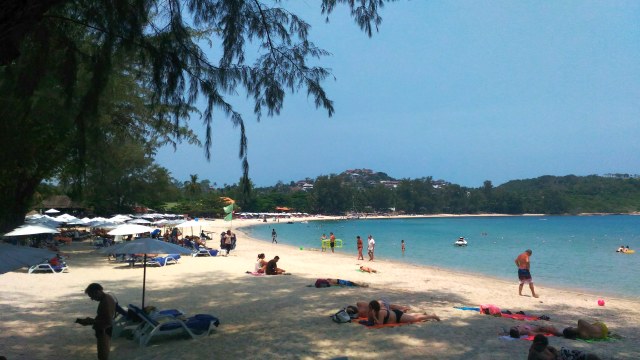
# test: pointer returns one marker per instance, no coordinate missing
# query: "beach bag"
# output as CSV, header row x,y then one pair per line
x,y
322,283
341,317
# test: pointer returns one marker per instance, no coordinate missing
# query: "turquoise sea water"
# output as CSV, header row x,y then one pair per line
x,y
575,252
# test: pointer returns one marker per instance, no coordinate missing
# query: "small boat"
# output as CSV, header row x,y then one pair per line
x,y
460,242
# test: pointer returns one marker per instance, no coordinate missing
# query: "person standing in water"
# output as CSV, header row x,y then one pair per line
x,y
274,236
402,245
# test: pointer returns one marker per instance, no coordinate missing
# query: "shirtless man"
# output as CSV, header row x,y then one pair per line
x,y
524,275
103,322
272,267
530,329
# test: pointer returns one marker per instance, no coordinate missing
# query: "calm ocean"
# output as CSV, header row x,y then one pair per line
x,y
575,252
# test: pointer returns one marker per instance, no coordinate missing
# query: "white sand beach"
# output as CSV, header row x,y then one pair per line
x,y
280,317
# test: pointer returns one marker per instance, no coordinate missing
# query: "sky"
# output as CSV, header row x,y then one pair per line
x,y
463,91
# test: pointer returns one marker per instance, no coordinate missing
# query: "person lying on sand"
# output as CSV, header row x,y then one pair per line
x,y
367,269
586,330
320,283
381,315
362,308
530,329
540,350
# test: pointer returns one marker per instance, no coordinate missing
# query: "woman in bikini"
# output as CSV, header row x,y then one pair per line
x,y
261,264
384,315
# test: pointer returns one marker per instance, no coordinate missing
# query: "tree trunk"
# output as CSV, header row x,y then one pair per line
x,y
15,197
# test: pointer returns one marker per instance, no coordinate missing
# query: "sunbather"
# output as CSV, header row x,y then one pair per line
x,y
586,330
540,350
368,269
379,315
530,329
342,282
362,308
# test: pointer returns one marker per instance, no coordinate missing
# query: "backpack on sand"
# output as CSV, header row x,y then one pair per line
x,y
341,317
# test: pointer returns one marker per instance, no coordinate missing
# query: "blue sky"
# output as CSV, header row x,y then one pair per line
x,y
464,91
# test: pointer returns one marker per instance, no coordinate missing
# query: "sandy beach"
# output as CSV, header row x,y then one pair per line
x,y
280,317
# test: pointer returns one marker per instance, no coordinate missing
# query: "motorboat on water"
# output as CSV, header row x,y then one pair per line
x,y
460,242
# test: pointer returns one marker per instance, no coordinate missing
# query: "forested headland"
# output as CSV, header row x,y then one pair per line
x,y
375,192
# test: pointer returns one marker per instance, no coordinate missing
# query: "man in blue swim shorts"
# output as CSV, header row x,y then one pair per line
x,y
522,262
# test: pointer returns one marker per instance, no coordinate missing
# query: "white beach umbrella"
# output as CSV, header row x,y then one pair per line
x,y
195,223
130,229
13,257
120,218
52,211
66,218
145,246
31,230
46,221
139,221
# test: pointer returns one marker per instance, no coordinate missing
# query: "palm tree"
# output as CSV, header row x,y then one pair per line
x,y
192,187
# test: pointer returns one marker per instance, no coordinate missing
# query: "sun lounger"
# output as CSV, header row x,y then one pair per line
x,y
199,250
164,260
199,325
46,267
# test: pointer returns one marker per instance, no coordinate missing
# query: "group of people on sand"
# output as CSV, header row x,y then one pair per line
x,y
381,312
540,349
585,330
268,267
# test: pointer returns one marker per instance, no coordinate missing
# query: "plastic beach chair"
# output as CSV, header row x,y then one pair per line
x,y
46,267
164,260
199,325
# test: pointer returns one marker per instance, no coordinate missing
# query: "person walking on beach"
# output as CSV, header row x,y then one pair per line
x,y
228,242
332,241
360,246
371,247
103,322
274,236
523,264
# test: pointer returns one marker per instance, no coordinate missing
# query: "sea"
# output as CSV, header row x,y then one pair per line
x,y
570,252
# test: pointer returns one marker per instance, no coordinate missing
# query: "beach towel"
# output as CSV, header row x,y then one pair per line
x,y
523,337
521,317
611,337
255,273
365,322
467,308
506,314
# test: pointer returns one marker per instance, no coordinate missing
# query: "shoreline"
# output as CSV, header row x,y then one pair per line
x,y
280,317
506,280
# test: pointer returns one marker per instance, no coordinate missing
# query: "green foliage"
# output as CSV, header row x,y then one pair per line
x,y
57,84
339,194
